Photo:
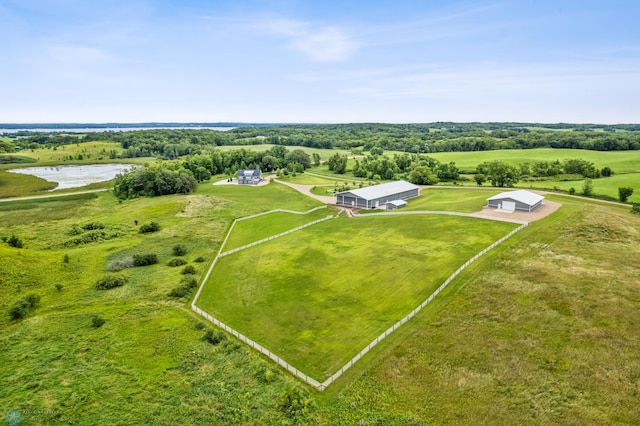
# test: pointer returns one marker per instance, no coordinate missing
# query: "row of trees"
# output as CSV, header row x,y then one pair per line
x,y
411,138
152,180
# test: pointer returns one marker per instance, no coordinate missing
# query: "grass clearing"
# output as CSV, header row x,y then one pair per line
x,y
451,199
324,153
318,296
18,185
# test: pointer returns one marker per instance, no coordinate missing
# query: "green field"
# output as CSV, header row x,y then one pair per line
x,y
324,153
541,330
92,152
318,296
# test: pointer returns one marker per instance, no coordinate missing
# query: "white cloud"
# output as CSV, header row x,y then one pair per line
x,y
326,44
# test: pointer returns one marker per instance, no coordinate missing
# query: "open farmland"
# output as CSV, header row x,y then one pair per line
x,y
318,296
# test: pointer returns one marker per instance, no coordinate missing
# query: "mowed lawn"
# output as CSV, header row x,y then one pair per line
x,y
317,296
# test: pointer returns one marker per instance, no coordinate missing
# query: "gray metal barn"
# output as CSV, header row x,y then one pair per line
x,y
376,196
521,201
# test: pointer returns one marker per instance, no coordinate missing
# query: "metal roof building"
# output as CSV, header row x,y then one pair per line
x,y
376,196
521,200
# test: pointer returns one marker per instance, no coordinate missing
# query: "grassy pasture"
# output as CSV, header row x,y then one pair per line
x,y
318,296
309,179
92,152
619,161
457,199
605,186
17,185
324,153
255,229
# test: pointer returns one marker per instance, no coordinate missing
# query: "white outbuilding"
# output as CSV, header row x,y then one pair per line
x,y
519,201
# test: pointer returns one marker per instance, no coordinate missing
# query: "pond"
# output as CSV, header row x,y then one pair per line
x,y
75,176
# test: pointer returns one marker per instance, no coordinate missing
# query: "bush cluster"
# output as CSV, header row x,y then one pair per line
x,y
188,270
213,337
110,281
177,261
91,237
14,241
179,250
199,259
296,401
23,307
187,284
145,259
149,227
97,321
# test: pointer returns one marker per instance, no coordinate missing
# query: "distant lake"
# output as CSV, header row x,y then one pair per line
x,y
75,176
108,129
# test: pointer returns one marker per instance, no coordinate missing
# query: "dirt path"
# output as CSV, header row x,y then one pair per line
x,y
306,190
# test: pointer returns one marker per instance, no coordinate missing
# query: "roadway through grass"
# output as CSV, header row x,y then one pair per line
x,y
318,296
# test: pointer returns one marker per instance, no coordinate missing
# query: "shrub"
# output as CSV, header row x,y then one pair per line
x,y
144,259
296,401
213,337
150,227
624,193
120,264
635,209
14,241
22,307
19,310
92,226
97,321
110,281
189,270
186,285
177,262
59,287
200,259
179,250
572,190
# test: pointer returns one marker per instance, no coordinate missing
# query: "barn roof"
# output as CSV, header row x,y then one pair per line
x,y
398,203
526,197
249,172
382,190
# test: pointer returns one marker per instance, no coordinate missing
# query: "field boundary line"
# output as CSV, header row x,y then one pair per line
x,y
307,379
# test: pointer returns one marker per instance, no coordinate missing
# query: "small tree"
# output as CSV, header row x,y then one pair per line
x,y
624,193
587,188
65,259
636,208
480,178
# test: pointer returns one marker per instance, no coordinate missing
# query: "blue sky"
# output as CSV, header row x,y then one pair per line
x,y
319,61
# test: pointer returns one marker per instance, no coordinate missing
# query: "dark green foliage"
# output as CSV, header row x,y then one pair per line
x,y
59,287
150,227
65,259
635,209
91,237
177,262
422,175
572,190
179,250
110,281
14,241
153,181
214,337
23,307
337,163
97,321
480,178
92,226
606,171
500,173
624,193
200,259
296,401
187,284
145,259
19,310
189,270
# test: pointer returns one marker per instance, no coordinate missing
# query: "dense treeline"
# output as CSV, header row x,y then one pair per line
x,y
410,138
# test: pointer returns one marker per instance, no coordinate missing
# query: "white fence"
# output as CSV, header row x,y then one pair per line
x,y
322,386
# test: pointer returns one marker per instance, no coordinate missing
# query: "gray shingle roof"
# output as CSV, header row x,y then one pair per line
x,y
382,190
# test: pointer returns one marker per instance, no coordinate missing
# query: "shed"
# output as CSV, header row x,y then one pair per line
x,y
396,204
521,201
249,176
373,197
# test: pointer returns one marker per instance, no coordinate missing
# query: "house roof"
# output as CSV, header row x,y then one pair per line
x,y
520,195
397,203
249,172
382,190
